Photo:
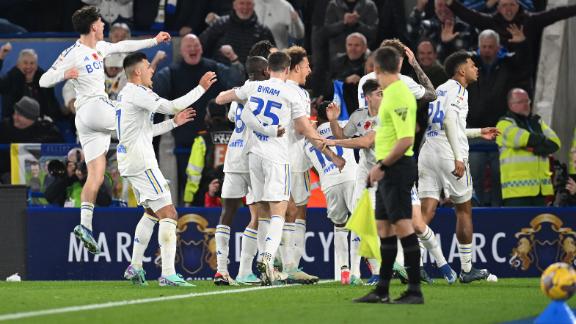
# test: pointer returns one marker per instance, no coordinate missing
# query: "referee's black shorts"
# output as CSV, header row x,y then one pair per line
x,y
393,200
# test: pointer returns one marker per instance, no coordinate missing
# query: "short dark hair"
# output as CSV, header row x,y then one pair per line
x,y
454,60
133,59
261,48
387,59
278,61
321,110
256,65
369,86
83,18
297,55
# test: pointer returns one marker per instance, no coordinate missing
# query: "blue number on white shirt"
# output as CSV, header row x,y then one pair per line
x,y
118,114
238,123
267,109
436,114
320,155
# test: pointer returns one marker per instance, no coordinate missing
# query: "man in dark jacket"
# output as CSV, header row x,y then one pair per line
x,y
25,127
22,80
182,76
498,72
344,17
240,30
510,16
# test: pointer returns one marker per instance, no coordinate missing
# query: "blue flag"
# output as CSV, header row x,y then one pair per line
x,y
339,99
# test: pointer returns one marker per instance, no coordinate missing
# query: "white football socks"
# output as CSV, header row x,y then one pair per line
x,y
249,250
340,250
299,241
287,247
355,257
263,225
430,242
167,242
465,251
400,254
142,236
273,237
222,238
86,212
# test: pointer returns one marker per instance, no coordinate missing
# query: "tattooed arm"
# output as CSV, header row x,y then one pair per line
x,y
430,94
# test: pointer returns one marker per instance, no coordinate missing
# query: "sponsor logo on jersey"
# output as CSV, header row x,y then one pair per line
x,y
86,58
401,112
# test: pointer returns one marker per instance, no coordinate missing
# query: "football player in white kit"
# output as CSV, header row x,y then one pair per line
x,y
293,237
237,184
83,63
273,103
443,161
338,187
137,162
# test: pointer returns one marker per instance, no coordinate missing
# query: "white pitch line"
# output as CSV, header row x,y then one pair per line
x,y
72,309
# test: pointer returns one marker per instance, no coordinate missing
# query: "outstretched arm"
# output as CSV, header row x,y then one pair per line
x,y
170,107
363,142
135,45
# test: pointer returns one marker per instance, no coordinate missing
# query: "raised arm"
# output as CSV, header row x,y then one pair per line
x,y
180,119
170,107
134,45
472,17
62,69
430,92
302,125
363,142
332,112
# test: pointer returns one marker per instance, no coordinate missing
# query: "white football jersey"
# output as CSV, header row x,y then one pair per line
x,y
90,65
329,173
236,159
451,96
273,102
135,126
360,124
298,160
417,89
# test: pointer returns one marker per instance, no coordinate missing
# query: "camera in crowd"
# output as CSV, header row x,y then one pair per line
x,y
562,197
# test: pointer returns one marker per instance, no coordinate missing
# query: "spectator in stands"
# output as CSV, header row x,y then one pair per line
x,y
65,180
22,80
498,74
113,11
510,16
344,17
183,75
25,127
349,68
206,161
428,58
572,157
441,27
281,18
119,32
212,197
240,30
526,143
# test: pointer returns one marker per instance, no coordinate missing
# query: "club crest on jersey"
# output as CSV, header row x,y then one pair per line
x,y
402,113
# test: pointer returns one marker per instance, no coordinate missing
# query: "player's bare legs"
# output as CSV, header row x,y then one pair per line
x,y
94,180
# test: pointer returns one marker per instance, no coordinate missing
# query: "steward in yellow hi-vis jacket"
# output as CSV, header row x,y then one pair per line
x,y
525,145
206,161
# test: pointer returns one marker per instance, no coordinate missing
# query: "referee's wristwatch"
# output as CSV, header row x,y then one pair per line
x,y
382,166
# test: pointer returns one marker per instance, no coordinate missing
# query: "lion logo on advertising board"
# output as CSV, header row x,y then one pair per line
x,y
546,241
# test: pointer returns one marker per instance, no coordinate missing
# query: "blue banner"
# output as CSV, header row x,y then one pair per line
x,y
510,242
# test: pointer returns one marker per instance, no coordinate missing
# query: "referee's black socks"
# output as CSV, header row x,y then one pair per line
x,y
388,250
411,260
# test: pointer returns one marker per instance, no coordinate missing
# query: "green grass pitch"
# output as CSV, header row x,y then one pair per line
x,y
480,302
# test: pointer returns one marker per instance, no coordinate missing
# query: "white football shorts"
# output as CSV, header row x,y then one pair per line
x,y
95,122
436,175
236,185
151,189
300,187
339,201
270,180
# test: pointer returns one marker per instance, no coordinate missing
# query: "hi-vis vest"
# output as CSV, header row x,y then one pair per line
x,y
203,155
522,173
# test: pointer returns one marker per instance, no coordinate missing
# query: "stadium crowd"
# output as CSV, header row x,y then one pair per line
x,y
339,35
